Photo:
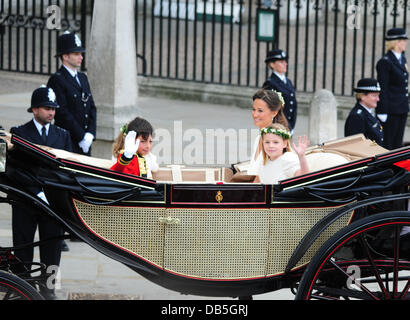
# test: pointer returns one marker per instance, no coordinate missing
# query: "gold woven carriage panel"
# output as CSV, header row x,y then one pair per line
x,y
218,244
134,229
289,226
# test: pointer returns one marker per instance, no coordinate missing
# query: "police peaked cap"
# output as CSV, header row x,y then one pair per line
x,y
275,55
396,34
67,43
367,85
43,97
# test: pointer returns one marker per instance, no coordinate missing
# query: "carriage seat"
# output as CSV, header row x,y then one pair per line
x,y
322,160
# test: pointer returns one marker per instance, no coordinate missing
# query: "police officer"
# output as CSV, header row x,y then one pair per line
x,y
277,60
392,74
362,118
77,112
39,130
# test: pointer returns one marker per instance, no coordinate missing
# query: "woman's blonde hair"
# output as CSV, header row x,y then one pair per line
x,y
359,96
141,126
282,132
390,44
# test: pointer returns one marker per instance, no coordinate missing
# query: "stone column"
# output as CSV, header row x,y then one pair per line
x,y
112,65
322,117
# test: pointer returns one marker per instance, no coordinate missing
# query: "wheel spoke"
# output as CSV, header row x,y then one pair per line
x,y
396,261
335,293
364,289
405,290
327,298
372,263
8,294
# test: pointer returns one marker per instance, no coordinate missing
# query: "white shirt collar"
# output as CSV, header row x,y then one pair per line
x,y
72,72
370,110
281,76
397,55
40,126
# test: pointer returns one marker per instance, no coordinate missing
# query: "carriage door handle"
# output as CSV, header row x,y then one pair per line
x,y
169,220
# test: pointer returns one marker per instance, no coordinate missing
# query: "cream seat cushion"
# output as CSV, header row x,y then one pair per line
x,y
322,160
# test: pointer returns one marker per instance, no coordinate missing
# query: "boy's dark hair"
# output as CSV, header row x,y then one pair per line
x,y
141,126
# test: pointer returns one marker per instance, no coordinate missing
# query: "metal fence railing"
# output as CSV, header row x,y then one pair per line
x,y
331,43
28,32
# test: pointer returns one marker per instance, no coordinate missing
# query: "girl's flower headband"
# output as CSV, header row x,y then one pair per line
x,y
279,132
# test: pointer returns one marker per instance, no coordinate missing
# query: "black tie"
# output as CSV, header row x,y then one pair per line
x,y
77,79
43,134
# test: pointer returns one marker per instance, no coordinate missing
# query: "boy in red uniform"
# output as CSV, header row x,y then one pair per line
x,y
132,149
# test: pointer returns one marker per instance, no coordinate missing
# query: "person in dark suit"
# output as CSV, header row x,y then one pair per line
x,y
277,60
77,112
361,118
39,130
392,74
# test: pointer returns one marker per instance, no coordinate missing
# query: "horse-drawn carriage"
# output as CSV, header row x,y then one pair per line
x,y
339,232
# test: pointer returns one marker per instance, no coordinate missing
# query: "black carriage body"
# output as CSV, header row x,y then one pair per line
x,y
211,239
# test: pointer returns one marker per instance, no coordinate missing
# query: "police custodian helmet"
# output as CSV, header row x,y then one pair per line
x,y
275,55
367,85
43,97
395,34
67,43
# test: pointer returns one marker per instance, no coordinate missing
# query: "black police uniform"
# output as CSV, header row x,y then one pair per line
x,y
77,112
25,220
286,88
393,78
288,94
360,120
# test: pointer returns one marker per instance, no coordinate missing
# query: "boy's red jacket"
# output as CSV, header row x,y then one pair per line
x,y
136,166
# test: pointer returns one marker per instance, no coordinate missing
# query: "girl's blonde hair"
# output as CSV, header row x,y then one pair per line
x,y
278,129
141,126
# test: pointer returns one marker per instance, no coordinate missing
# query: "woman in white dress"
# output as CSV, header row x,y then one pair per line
x,y
267,108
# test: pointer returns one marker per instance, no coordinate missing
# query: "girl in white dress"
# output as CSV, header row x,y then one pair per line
x,y
279,162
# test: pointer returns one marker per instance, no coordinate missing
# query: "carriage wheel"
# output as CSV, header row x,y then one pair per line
x,y
369,259
15,288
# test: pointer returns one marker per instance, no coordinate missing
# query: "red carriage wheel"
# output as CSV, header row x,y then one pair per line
x,y
15,288
369,260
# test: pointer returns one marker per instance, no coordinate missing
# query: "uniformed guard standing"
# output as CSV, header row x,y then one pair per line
x,y
77,112
277,60
392,74
39,130
362,118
